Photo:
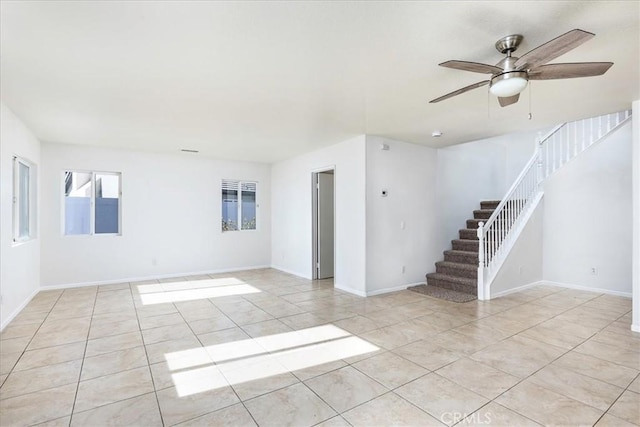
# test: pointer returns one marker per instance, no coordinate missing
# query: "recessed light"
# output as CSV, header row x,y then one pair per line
x,y
186,150
436,134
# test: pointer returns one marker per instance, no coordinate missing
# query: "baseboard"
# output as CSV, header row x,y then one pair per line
x,y
518,289
18,310
348,290
295,273
393,289
587,288
157,277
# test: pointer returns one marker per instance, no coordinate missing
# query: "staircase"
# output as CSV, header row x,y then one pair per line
x,y
471,265
457,276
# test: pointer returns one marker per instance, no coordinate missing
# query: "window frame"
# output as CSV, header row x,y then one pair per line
x,y
92,203
240,183
31,201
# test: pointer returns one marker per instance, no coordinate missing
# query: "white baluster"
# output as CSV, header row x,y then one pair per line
x,y
481,250
568,143
575,139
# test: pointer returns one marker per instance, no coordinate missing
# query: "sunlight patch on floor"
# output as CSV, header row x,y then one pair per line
x,y
186,291
247,360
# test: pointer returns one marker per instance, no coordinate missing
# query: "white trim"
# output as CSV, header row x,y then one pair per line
x,y
635,328
295,273
350,290
562,285
140,279
586,288
19,309
509,243
392,289
518,289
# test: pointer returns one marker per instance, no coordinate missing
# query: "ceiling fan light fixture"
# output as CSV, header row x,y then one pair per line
x,y
508,84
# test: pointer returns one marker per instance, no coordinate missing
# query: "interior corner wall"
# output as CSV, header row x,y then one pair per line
x,y
19,263
171,218
291,244
401,225
588,218
475,171
635,258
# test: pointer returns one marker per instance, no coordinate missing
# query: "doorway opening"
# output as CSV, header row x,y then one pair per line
x,y
323,208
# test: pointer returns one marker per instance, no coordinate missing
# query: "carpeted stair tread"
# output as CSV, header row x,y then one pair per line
x,y
489,204
483,213
457,265
456,278
459,284
468,234
447,278
465,257
469,271
441,293
473,223
465,245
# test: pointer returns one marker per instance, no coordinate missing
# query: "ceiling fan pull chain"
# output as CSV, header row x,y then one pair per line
x,y
530,116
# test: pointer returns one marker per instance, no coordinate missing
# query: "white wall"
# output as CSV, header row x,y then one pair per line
x,y
588,218
408,173
475,171
171,213
523,265
635,260
20,263
291,232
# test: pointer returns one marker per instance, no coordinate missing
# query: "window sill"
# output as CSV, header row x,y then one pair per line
x,y
16,243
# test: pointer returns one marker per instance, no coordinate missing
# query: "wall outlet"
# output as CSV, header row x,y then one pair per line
x,y
594,271
520,270
154,261
402,269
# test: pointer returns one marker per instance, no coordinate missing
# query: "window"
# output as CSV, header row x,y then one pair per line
x,y
238,205
23,200
91,202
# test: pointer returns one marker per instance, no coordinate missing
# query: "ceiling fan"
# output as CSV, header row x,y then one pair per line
x,y
511,75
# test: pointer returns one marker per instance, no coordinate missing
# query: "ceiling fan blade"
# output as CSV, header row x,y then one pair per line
x,y
569,70
504,101
459,91
553,49
475,67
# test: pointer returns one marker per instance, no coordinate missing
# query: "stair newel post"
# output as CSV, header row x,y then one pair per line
x,y
481,293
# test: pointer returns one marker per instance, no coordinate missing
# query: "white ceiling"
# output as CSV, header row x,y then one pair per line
x,y
264,81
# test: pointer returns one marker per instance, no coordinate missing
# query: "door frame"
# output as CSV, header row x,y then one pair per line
x,y
314,219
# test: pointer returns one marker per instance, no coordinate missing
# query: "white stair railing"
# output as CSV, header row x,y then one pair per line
x,y
564,142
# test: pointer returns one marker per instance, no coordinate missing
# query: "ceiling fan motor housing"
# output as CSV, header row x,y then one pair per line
x,y
509,44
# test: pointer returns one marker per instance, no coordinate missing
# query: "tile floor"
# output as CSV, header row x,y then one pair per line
x,y
263,347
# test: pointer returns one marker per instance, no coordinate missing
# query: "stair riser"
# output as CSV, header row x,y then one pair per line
x,y
473,223
489,205
482,215
463,259
467,274
465,245
453,286
468,234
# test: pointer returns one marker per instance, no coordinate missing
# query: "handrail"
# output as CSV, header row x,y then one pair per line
x,y
557,147
516,183
551,133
